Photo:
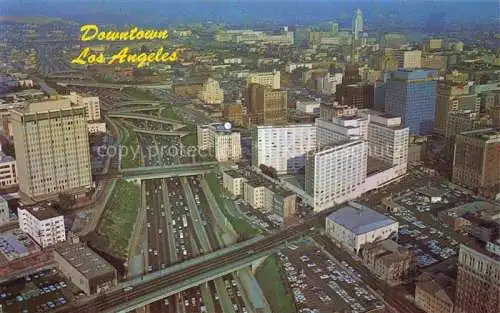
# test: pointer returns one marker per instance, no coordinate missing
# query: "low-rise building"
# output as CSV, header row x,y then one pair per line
x,y
85,268
96,127
42,223
355,225
8,176
435,294
390,261
4,211
221,140
233,182
264,195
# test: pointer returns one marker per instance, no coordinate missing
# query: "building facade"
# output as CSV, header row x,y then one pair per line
x,y
267,106
435,294
478,281
43,224
91,104
408,59
233,182
267,79
224,143
336,173
412,95
52,144
211,93
282,147
8,175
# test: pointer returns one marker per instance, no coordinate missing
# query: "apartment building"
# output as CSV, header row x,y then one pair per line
x,y
282,147
233,182
222,141
8,175
52,145
478,281
43,224
476,161
336,173
435,293
355,225
341,128
389,261
267,79
263,195
91,104
86,269
211,93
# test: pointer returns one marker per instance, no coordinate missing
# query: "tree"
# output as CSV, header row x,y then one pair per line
x,y
272,172
66,201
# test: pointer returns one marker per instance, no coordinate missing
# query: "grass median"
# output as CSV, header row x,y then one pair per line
x,y
240,225
120,215
270,278
131,159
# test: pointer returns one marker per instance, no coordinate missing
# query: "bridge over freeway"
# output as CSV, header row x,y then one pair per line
x,y
153,172
146,117
112,86
161,132
158,285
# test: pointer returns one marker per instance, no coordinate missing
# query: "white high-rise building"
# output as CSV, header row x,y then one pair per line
x,y
340,129
211,93
282,147
357,24
337,173
408,59
267,79
91,104
224,143
43,224
387,138
52,148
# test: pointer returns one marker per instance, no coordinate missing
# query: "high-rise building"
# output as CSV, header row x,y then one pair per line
x,y
52,148
476,163
91,104
412,95
453,98
387,138
267,79
359,95
408,59
221,140
43,224
282,147
233,113
211,93
332,175
267,106
478,281
340,129
357,24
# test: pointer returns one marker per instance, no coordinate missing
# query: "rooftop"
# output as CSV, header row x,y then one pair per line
x,y
85,260
359,219
484,134
234,174
42,212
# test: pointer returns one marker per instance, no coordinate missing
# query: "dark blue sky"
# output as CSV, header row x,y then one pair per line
x,y
288,12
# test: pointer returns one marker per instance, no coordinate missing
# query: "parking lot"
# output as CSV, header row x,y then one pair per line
x,y
39,292
319,283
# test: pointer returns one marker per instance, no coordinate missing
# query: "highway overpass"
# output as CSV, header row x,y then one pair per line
x,y
160,132
155,286
153,172
145,117
112,86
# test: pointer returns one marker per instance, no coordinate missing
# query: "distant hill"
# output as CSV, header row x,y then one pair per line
x,y
33,20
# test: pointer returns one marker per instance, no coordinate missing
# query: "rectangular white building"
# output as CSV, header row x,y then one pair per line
x,y
8,176
99,127
337,173
224,143
43,224
355,225
408,59
233,182
340,129
91,104
267,79
282,147
307,106
387,138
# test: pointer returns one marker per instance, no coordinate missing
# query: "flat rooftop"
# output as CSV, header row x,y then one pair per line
x,y
85,260
234,174
359,219
42,212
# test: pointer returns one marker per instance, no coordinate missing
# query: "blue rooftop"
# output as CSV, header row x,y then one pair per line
x,y
359,219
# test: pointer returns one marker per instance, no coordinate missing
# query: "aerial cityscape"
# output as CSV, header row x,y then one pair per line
x,y
249,156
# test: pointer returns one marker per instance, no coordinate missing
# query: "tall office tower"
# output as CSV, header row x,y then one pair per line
x,y
408,59
412,95
478,281
387,138
52,148
335,173
335,28
340,129
222,141
211,93
359,95
267,106
453,98
476,164
267,79
283,147
357,24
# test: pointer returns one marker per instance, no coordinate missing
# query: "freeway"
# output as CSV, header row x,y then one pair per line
x,y
111,86
146,117
140,289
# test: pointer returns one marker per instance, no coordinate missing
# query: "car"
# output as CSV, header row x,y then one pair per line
x,y
186,302
62,300
148,224
155,252
127,289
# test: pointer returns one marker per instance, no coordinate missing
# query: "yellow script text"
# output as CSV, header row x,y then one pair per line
x,y
91,32
124,56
